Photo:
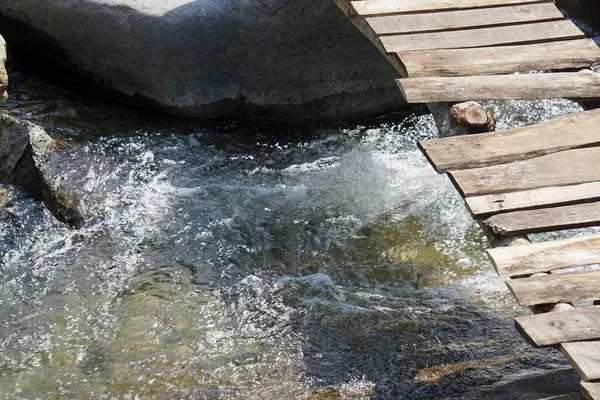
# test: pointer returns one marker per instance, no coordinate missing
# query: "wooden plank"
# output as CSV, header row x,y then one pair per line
x,y
545,220
556,288
591,391
490,204
570,167
472,18
548,329
584,357
497,60
384,7
482,37
474,151
546,256
584,84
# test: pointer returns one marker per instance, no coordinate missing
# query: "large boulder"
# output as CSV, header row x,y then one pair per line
x,y
281,59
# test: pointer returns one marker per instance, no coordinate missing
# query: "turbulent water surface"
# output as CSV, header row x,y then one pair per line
x,y
231,260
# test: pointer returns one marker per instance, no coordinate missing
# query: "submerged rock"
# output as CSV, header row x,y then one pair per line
x,y
292,60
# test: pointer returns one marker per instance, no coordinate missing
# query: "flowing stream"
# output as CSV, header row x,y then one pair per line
x,y
232,260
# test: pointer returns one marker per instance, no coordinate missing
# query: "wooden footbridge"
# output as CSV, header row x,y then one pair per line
x,y
532,179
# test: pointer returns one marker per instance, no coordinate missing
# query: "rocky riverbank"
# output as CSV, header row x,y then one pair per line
x,y
24,148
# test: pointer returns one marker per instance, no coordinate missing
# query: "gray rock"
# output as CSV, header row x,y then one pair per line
x,y
14,139
292,60
586,10
23,149
3,74
4,199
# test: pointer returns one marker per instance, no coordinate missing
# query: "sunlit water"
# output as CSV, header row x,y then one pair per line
x,y
224,261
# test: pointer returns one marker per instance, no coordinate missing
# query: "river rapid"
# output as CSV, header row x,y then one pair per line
x,y
246,260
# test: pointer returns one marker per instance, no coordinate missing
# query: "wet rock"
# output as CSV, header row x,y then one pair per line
x,y
292,60
589,11
4,199
23,149
3,74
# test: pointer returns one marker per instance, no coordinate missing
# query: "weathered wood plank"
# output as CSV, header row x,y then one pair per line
x,y
545,220
556,288
548,329
584,84
490,204
471,18
569,167
584,357
546,256
590,390
501,59
474,151
482,37
383,7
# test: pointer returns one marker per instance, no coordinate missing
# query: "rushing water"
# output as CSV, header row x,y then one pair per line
x,y
231,260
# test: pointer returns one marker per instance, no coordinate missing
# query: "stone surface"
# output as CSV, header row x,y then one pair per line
x,y
4,199
3,74
586,10
23,149
291,60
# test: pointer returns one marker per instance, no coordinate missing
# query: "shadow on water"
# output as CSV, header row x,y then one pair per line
x,y
231,261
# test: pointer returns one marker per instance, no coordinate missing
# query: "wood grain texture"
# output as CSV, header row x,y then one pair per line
x,y
590,390
490,204
576,325
584,357
474,151
585,84
565,168
546,256
472,18
498,60
383,7
556,288
545,220
482,37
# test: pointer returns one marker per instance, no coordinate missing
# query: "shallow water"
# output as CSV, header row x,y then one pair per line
x,y
252,261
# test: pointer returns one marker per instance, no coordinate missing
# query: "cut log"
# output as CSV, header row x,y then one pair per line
x,y
481,37
472,18
490,204
556,288
572,54
570,167
582,85
473,116
576,325
465,152
382,7
584,357
546,256
545,220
